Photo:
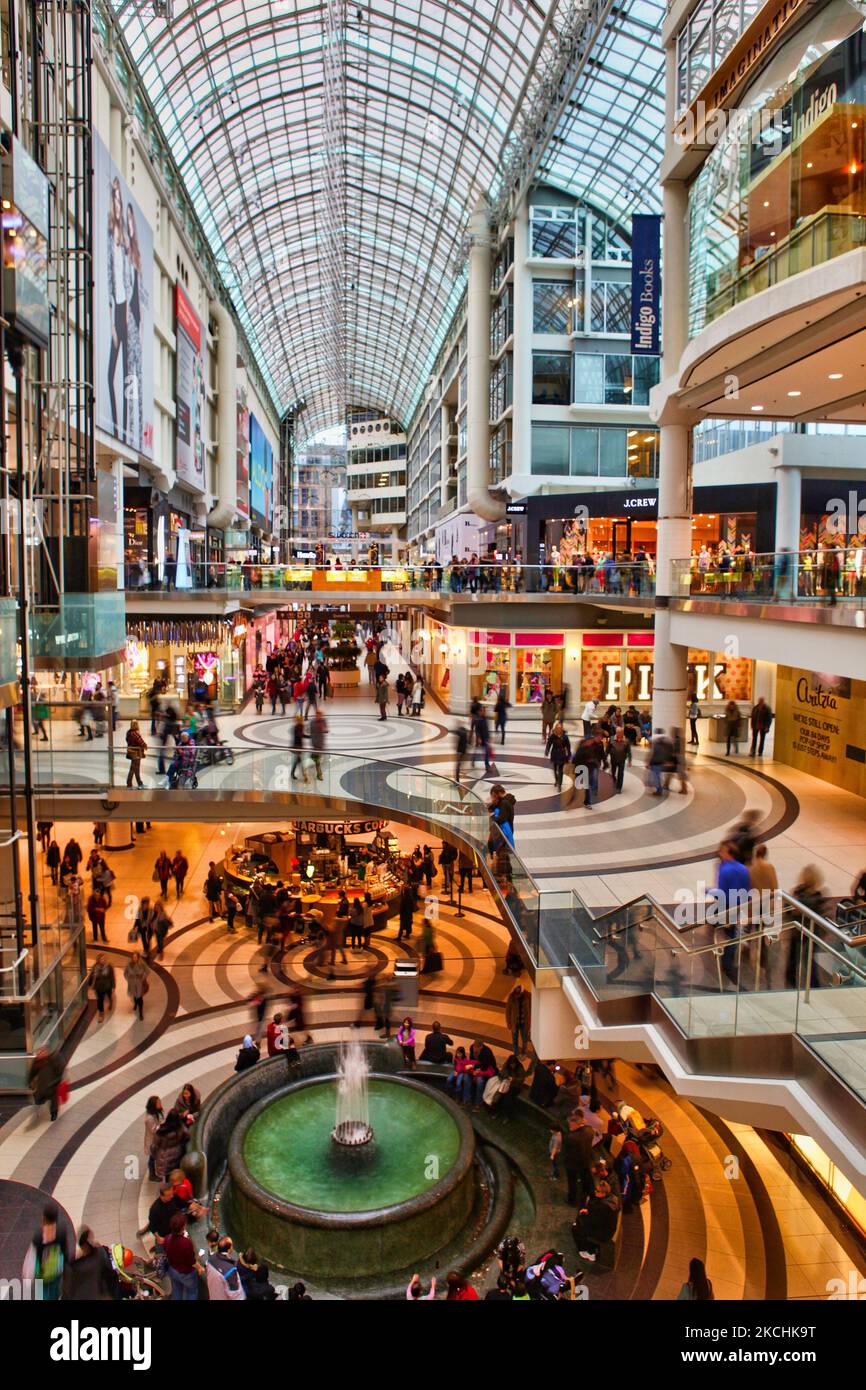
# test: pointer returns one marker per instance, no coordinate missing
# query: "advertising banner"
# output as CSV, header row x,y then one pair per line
x,y
261,475
646,271
123,309
821,726
189,394
243,469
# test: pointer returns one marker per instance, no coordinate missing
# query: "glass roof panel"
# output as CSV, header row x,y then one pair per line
x,y
334,150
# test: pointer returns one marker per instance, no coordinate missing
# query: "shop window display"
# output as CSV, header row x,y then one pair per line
x,y
538,669
496,661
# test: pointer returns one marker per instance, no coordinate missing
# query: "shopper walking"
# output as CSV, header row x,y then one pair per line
x,y
461,739
501,715
162,872
136,749
618,755
760,720
137,984
102,982
732,728
548,714
694,714
44,1080
517,1014
179,869
382,698
97,907
53,860
213,890
558,750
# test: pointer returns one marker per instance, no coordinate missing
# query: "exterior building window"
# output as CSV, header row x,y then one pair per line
x,y
608,242
501,320
610,307
502,263
551,306
706,39
613,378
461,434
461,485
551,378
550,445
553,233
500,452
591,451
500,387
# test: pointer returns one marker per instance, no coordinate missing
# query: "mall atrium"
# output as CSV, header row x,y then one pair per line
x,y
488,371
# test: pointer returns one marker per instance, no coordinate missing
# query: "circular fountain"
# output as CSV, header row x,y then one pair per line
x,y
345,1171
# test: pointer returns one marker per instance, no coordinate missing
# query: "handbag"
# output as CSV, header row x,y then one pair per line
x,y
62,1092
132,934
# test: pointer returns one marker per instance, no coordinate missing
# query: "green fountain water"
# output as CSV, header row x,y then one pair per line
x,y
289,1151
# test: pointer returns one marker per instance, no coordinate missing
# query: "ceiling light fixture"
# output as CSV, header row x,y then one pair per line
x,y
757,407
795,393
834,376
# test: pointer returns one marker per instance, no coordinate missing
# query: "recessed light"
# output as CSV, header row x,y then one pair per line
x,y
795,393
809,164
766,205
835,376
757,407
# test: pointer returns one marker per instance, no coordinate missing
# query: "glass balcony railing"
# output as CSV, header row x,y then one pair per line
x,y
84,627
808,577
771,967
593,577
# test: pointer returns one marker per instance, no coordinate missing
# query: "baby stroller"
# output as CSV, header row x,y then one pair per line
x,y
646,1133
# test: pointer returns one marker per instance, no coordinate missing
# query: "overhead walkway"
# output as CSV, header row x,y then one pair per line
x,y
765,1023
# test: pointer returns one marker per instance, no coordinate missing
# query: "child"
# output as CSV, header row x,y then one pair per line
x,y
554,1149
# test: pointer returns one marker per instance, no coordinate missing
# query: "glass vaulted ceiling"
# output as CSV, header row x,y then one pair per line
x,y
334,152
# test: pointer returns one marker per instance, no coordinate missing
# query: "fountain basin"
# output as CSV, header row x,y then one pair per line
x,y
295,1199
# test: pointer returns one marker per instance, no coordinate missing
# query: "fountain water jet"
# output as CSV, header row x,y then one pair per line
x,y
353,1128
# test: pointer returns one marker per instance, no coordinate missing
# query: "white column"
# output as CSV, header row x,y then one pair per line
x,y
478,370
788,509
670,677
223,511
521,366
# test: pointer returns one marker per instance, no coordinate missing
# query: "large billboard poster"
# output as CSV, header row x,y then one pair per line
x,y
123,306
189,394
261,475
243,468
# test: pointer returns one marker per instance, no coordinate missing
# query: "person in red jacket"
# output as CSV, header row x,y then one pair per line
x,y
275,1031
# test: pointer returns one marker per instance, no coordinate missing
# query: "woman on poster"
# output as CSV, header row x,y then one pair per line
x,y
118,299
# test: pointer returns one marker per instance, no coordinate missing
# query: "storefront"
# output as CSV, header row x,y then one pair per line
x,y
316,860
189,655
164,547
821,726
618,669
524,664
625,522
